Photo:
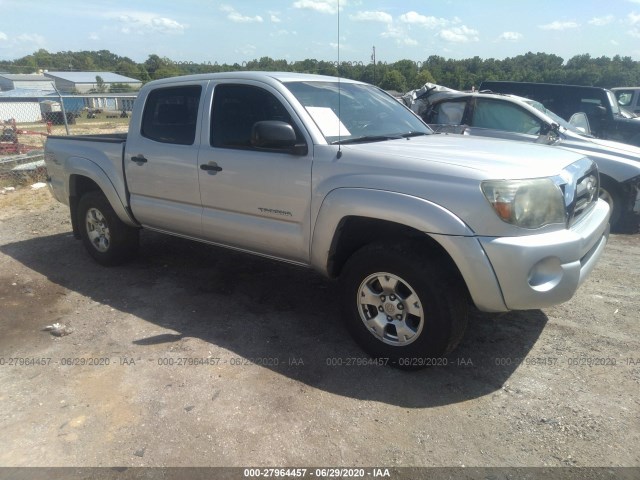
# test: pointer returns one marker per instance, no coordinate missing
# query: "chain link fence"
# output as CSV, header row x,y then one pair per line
x,y
27,121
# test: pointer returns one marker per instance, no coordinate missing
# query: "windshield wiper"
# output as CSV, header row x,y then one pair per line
x,y
414,134
366,139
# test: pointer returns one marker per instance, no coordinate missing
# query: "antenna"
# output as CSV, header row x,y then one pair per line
x,y
339,155
373,58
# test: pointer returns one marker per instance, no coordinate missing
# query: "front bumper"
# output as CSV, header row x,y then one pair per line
x,y
538,271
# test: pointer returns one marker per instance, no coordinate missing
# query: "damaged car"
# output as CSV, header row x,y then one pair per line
x,y
510,117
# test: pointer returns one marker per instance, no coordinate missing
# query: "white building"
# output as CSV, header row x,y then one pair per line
x,y
11,81
23,105
85,82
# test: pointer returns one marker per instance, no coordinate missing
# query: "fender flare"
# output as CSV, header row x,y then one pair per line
x,y
403,209
85,167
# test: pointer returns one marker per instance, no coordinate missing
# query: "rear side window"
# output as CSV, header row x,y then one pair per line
x,y
170,115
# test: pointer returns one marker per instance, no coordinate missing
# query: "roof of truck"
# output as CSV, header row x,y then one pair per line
x,y
283,77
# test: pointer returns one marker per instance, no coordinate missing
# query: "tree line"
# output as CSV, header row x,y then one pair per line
x,y
400,76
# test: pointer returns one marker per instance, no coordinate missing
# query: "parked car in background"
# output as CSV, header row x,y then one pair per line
x,y
599,104
628,97
511,117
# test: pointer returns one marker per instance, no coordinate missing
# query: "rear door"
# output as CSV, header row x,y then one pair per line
x,y
254,199
161,160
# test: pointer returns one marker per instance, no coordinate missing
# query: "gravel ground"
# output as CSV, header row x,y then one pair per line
x,y
198,356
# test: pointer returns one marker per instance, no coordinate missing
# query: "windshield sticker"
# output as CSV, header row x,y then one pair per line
x,y
328,122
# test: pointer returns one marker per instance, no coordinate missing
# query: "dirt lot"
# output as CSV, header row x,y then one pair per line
x,y
198,356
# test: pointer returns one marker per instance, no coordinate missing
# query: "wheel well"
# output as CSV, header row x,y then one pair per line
x,y
623,219
609,182
353,233
78,186
615,189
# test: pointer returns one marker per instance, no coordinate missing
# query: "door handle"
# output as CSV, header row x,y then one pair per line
x,y
211,167
139,159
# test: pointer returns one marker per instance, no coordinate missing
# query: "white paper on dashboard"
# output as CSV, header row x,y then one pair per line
x,y
328,122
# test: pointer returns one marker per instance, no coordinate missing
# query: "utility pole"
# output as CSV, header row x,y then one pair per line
x,y
373,58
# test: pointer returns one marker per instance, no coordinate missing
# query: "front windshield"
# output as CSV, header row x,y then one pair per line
x,y
349,112
556,118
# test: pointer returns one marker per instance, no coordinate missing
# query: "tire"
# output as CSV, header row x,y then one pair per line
x,y
107,239
609,193
403,305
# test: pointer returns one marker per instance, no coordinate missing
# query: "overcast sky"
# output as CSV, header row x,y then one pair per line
x,y
242,30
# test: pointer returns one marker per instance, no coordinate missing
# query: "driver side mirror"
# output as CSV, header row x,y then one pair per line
x,y
276,135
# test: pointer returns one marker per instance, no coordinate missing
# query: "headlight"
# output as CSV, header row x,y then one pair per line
x,y
530,203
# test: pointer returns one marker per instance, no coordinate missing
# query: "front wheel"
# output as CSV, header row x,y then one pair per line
x,y
402,304
107,238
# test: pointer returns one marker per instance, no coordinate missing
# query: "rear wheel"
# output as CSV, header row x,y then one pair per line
x,y
402,304
107,239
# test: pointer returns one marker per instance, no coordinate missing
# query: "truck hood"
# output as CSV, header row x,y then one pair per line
x,y
481,157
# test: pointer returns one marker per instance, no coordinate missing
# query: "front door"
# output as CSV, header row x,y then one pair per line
x,y
254,199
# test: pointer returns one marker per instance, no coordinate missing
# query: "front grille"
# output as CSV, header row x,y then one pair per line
x,y
581,189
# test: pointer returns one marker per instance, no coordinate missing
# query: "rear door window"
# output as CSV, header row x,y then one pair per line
x,y
171,114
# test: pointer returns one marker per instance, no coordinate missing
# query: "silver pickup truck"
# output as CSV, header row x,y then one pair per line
x,y
338,176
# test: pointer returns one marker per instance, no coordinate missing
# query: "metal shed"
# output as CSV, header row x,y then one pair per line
x,y
23,105
85,82
10,81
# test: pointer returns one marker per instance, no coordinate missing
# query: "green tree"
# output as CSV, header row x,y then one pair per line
x,y
163,67
408,69
394,80
121,88
327,68
128,69
306,66
153,63
100,85
42,59
455,73
424,76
